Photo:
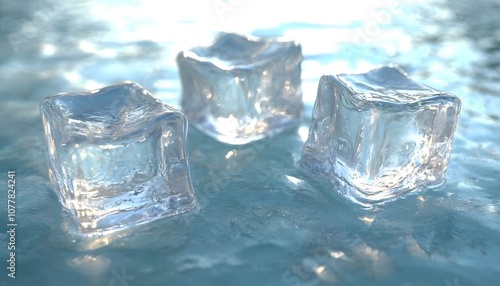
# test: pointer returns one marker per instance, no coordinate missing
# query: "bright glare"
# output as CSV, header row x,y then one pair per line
x,y
303,133
48,50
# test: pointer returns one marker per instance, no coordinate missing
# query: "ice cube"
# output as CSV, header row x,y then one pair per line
x,y
379,135
117,157
241,89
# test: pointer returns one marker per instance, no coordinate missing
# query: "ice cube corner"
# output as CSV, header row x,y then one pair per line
x,y
117,157
379,135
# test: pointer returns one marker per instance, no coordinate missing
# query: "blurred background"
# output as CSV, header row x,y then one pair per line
x,y
268,224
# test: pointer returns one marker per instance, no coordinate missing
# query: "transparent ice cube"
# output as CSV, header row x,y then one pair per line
x,y
117,157
241,89
379,135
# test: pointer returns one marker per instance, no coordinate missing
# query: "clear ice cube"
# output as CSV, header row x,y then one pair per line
x,y
379,135
241,89
117,157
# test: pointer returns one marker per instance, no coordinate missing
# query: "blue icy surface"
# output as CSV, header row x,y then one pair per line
x,y
260,221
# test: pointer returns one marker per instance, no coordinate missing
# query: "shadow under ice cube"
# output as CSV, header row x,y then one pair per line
x,y
379,135
117,157
241,89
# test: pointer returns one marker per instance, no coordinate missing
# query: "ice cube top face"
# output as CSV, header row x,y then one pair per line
x,y
380,134
117,157
241,89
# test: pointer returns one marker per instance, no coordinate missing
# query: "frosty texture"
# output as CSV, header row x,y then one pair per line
x,y
241,89
117,157
379,135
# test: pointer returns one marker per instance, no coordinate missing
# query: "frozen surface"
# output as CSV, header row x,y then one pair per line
x,y
261,222
380,133
242,89
117,157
